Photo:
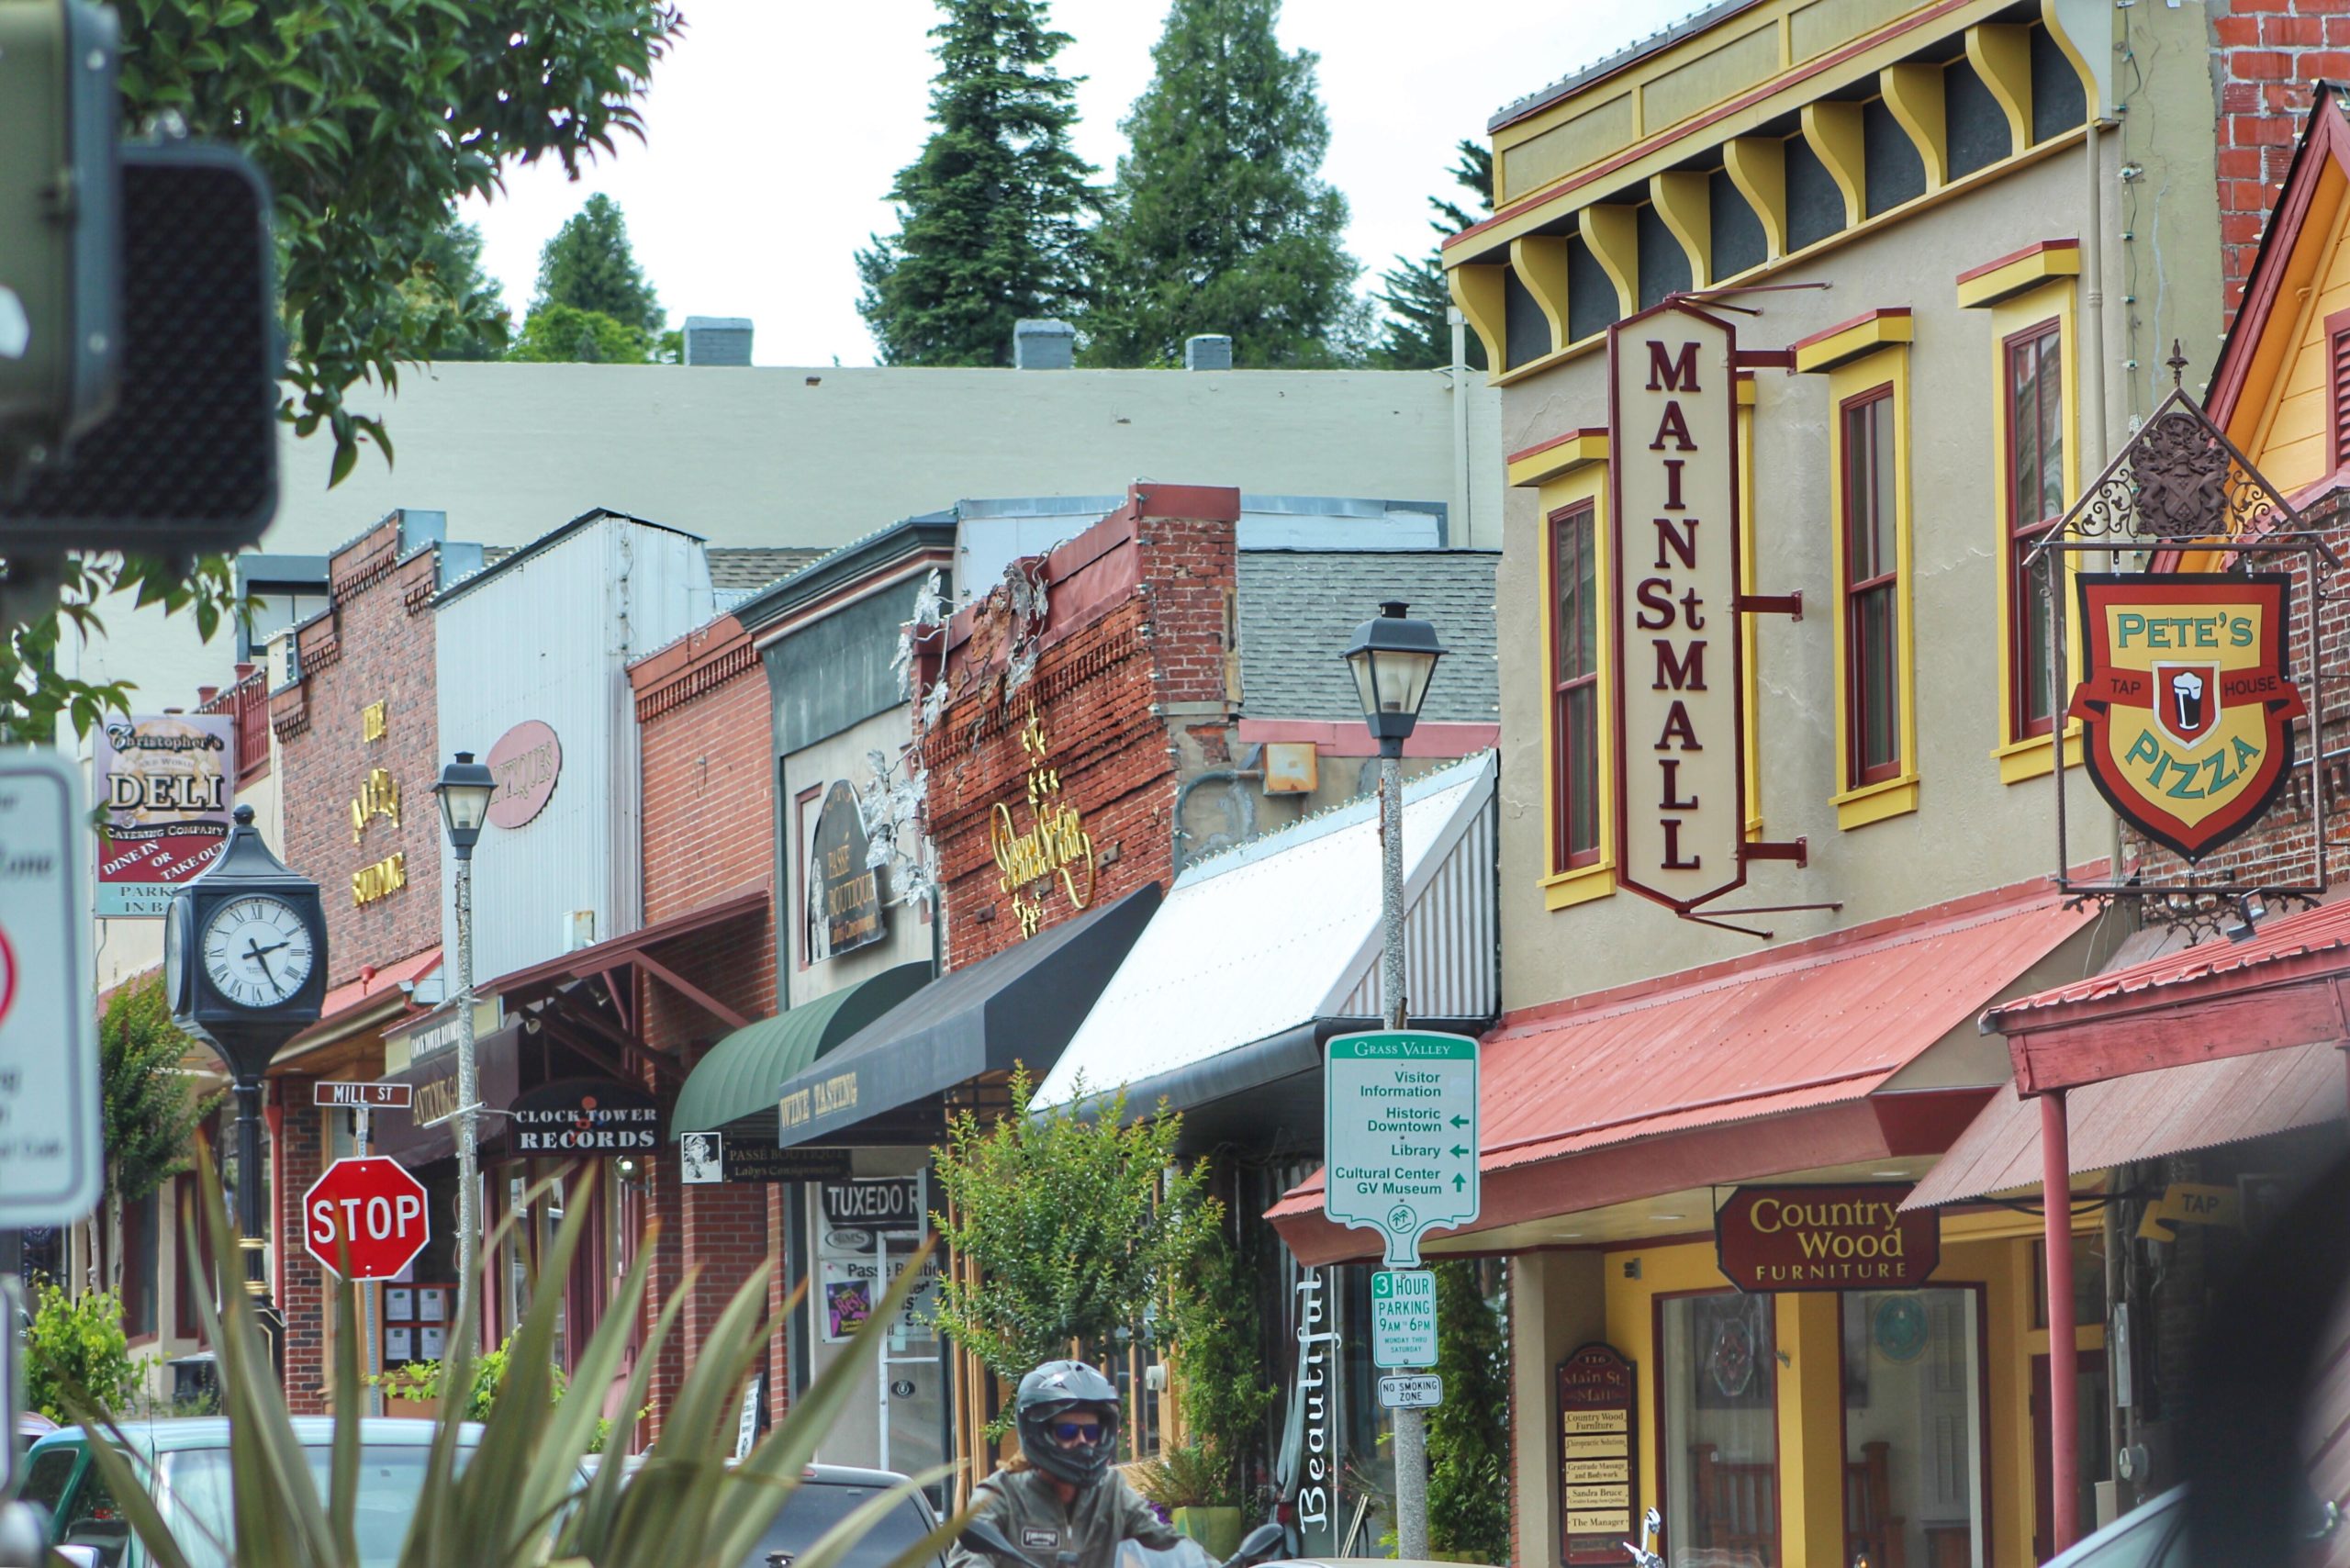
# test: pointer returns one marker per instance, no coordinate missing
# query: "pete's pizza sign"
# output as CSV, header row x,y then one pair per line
x,y
2184,701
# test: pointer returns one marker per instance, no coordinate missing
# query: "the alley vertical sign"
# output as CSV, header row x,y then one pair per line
x,y
165,783
1672,445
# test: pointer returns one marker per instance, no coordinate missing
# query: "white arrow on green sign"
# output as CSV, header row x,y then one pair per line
x,y
1400,1136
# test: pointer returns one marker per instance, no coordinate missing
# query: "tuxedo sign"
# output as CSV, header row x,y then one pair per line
x,y
2184,701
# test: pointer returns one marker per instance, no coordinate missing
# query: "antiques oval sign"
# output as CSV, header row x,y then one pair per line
x,y
1826,1239
525,762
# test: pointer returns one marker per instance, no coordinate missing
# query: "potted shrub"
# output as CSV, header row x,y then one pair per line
x,y
1194,1487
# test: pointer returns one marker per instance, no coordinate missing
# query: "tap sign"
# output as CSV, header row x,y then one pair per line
x,y
365,1218
1673,452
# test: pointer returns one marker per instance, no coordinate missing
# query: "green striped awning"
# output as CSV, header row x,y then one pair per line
x,y
743,1071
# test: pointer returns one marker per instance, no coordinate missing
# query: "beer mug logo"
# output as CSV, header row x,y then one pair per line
x,y
2188,704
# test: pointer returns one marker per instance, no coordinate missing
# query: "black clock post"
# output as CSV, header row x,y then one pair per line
x,y
245,966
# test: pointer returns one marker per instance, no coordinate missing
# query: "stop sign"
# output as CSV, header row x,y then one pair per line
x,y
364,1219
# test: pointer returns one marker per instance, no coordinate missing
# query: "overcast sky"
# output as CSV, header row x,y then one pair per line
x,y
775,127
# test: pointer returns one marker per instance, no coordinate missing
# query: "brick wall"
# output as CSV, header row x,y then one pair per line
x,y
298,1139
708,815
374,646
2265,55
1130,688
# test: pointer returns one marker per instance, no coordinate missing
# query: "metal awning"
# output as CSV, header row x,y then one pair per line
x,y
1788,1061
2146,1115
634,951
1286,930
740,1075
1018,1007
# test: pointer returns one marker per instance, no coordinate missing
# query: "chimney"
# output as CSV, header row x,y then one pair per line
x,y
718,339
419,529
1209,351
1043,345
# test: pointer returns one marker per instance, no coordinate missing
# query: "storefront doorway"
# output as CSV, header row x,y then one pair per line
x,y
1721,1428
863,1232
1914,1429
2089,1406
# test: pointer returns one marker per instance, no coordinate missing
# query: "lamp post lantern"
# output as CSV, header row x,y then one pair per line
x,y
245,970
1392,657
463,790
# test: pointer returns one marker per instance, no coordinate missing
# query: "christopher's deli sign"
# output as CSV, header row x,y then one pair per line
x,y
1826,1239
1673,447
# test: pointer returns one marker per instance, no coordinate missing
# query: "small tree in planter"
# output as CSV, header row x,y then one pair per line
x,y
1468,1433
1077,1227
1222,1390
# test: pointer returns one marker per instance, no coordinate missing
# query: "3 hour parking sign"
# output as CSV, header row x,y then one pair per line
x,y
1400,1135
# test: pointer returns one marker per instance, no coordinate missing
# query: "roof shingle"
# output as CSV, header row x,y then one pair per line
x,y
1299,609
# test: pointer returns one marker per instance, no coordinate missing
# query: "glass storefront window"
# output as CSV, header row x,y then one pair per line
x,y
1913,1428
1719,1368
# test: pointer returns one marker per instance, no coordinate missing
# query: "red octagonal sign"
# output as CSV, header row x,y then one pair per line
x,y
364,1219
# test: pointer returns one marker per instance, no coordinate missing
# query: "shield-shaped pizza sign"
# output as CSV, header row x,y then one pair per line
x,y
2186,701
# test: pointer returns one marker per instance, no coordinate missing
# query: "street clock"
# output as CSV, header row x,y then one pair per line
x,y
245,951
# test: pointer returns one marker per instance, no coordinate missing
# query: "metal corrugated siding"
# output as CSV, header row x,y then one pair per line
x,y
550,639
1784,1035
2322,930
2173,1109
1448,954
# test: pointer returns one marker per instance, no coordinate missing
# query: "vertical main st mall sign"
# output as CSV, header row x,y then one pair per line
x,y
1673,452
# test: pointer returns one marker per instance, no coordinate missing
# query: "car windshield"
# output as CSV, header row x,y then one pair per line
x,y
198,1485
815,1508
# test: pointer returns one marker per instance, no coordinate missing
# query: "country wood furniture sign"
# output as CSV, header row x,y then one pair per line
x,y
1672,422
1826,1239
1599,1456
2186,701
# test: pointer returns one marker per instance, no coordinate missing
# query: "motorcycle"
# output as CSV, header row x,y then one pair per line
x,y
1651,1529
1260,1545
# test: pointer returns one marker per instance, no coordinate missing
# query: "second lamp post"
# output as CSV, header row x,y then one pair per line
x,y
464,789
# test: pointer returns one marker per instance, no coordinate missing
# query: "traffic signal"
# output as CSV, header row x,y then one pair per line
x,y
60,340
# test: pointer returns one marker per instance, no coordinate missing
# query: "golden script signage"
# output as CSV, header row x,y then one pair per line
x,y
1054,844
1851,1238
1673,446
2186,701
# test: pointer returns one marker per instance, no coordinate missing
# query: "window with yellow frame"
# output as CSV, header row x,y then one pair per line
x,y
1876,710
1578,740
2036,472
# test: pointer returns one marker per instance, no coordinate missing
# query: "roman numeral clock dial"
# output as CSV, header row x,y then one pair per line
x,y
256,951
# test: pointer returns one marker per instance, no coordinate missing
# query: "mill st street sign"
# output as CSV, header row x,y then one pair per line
x,y
1400,1136
365,1218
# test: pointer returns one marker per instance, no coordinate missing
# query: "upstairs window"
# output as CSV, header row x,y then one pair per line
x,y
1574,687
1872,588
2033,403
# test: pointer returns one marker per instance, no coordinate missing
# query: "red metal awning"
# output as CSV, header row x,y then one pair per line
x,y
2143,1116
635,950
1760,1067
378,987
2288,984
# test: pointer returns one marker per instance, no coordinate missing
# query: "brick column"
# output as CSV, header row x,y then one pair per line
x,y
304,1289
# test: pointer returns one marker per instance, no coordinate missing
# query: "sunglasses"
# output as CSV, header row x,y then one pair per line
x,y
1088,1432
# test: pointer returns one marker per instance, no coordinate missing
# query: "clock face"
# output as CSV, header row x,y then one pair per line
x,y
256,951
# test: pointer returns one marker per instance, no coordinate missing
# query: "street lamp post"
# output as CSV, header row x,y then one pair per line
x,y
463,790
1392,656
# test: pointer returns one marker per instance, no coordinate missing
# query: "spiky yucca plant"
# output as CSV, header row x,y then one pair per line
x,y
516,1501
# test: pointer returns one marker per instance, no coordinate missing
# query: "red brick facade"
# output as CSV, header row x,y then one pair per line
x,y
374,646
2267,55
298,1143
708,815
1129,688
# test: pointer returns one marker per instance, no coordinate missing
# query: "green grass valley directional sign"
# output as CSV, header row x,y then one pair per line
x,y
1400,1136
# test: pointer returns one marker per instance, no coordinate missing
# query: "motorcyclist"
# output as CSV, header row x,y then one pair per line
x,y
1060,1502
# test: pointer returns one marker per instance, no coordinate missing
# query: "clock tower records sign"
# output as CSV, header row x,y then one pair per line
x,y
1673,455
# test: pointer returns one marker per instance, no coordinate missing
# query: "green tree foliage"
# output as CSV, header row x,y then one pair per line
x,y
447,279
151,1114
1219,1362
990,216
1418,332
1219,221
1468,1433
36,695
589,265
1077,1227
76,1351
371,118
564,334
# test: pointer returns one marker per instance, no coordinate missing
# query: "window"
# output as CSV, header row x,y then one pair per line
x,y
1574,687
1720,1393
2034,409
1872,583
2337,389
1913,1426
272,608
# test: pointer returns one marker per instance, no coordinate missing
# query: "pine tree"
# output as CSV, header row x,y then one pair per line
x,y
1418,333
1219,221
990,216
589,265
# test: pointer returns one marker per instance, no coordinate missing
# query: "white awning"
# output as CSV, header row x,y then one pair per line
x,y
1262,951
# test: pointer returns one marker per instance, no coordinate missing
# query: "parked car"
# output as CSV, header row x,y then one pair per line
x,y
2153,1535
826,1494
186,1464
